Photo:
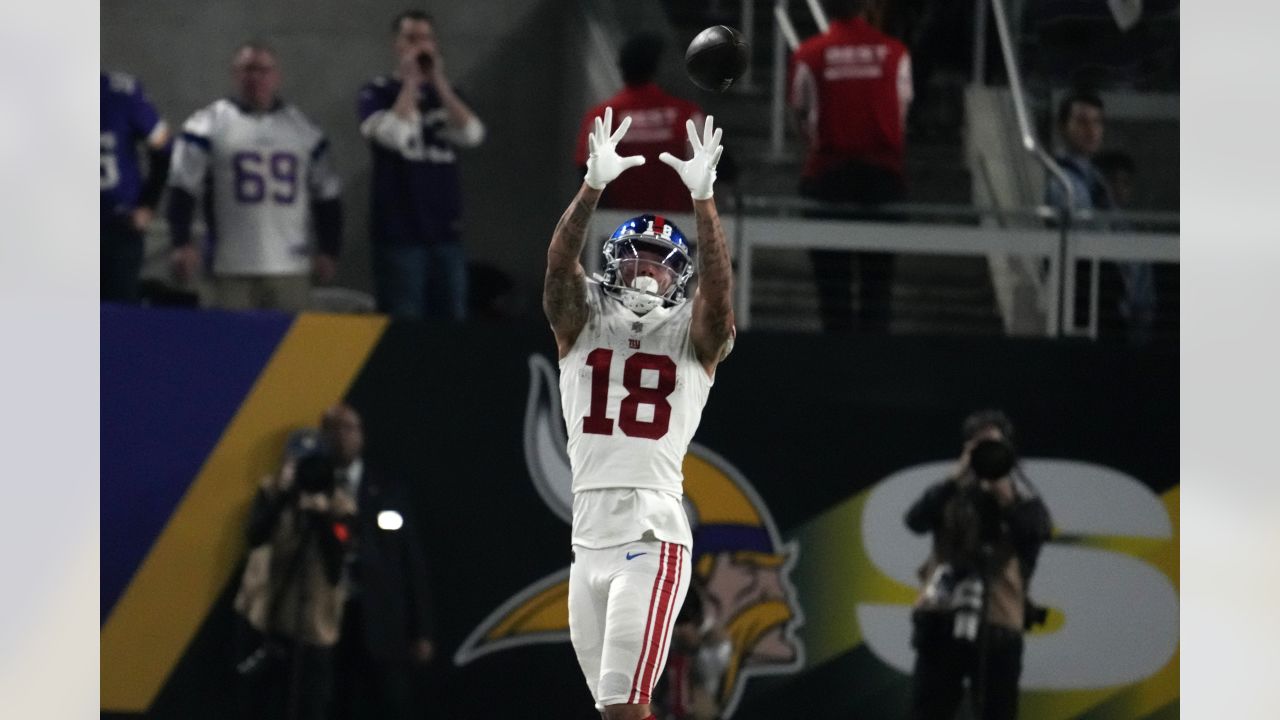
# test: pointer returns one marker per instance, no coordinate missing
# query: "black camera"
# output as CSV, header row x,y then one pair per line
x,y
315,473
425,62
1033,614
992,459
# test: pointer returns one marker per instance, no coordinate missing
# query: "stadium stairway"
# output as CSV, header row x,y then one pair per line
x,y
932,295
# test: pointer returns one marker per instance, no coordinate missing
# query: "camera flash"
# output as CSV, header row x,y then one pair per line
x,y
390,520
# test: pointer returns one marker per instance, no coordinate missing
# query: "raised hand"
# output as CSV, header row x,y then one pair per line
x,y
699,171
603,162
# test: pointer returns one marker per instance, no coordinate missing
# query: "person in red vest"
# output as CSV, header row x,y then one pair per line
x,y
657,126
850,88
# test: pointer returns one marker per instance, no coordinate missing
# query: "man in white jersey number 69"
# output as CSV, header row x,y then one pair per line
x,y
637,360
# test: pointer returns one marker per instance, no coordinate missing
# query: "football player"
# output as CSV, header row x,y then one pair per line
x,y
637,361
265,166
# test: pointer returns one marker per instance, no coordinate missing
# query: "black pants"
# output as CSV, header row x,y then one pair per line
x,y
121,248
937,684
366,686
832,270
294,681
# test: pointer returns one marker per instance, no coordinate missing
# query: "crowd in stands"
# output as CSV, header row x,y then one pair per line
x,y
260,175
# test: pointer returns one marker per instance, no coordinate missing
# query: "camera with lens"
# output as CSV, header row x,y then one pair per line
x,y
992,459
425,62
315,473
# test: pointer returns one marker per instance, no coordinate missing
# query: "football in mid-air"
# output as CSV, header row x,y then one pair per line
x,y
717,57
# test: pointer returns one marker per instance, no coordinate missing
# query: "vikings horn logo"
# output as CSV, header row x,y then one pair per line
x,y
738,557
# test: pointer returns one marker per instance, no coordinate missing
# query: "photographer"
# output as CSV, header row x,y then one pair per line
x,y
701,652
988,526
292,592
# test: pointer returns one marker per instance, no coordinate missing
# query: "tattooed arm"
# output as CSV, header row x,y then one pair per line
x,y
564,294
713,329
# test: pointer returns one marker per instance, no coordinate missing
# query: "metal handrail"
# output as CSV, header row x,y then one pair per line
x,y
1030,144
785,26
785,32
749,232
763,204
819,15
748,25
980,42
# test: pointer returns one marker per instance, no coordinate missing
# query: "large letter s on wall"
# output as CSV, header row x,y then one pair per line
x,y
1121,613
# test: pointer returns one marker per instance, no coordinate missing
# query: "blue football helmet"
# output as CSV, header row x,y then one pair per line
x,y
650,232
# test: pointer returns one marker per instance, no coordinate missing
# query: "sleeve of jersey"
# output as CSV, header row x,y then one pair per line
x,y
370,100
322,178
467,136
804,89
143,118
904,83
191,153
379,124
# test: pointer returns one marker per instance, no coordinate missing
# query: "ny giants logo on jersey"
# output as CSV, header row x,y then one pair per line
x,y
736,545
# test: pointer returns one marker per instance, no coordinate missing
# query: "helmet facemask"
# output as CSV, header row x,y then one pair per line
x,y
645,269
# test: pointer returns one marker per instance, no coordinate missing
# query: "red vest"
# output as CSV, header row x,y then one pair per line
x,y
854,69
657,126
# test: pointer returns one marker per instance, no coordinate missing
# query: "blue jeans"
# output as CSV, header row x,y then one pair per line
x,y
420,281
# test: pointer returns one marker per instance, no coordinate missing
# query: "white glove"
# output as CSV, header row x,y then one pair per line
x,y
603,162
699,171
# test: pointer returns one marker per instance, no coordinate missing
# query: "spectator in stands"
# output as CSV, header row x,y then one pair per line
x,y
850,90
1080,125
128,199
988,526
415,122
1126,290
657,126
1137,298
261,166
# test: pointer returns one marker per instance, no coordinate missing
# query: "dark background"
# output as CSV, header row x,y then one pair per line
x,y
808,420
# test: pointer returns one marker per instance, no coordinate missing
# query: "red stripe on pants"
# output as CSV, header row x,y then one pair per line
x,y
670,580
648,626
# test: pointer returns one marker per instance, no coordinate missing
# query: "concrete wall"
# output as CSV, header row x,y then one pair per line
x,y
519,62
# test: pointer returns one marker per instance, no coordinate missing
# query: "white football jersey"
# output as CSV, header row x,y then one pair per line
x,y
632,391
266,169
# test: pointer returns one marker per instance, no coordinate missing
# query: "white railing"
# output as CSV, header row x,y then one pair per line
x,y
785,41
1061,314
747,233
